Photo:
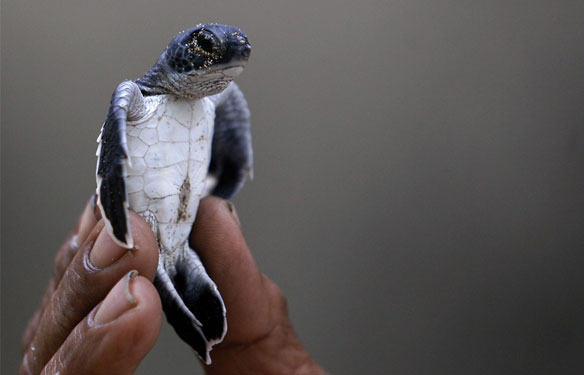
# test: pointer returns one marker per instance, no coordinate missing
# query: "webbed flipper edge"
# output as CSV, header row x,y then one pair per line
x,y
192,303
113,159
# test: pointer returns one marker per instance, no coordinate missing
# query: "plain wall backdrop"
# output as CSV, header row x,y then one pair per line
x,y
419,185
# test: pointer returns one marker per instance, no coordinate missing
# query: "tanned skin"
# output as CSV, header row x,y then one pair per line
x,y
101,314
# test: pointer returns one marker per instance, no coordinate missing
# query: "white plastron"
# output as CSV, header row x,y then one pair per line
x,y
170,150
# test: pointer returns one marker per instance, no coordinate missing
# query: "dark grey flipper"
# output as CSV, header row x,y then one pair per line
x,y
192,303
200,294
231,153
126,103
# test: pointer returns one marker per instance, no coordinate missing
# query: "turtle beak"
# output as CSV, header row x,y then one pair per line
x,y
238,49
233,72
237,54
243,50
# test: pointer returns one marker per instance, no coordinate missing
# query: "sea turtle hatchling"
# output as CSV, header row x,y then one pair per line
x,y
180,132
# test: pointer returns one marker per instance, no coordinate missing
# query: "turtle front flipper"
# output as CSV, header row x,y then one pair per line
x,y
231,153
192,303
127,103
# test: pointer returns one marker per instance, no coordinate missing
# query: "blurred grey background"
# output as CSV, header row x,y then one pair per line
x,y
419,187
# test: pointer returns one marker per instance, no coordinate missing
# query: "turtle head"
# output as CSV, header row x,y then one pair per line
x,y
199,62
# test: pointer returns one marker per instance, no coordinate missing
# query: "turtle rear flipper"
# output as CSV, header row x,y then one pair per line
x,y
192,303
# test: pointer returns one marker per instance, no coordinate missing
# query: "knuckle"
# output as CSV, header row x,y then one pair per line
x,y
25,366
64,257
29,332
276,295
65,308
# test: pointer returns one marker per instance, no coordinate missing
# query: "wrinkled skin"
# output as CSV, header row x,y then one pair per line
x,y
95,319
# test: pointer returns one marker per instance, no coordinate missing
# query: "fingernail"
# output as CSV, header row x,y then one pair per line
x,y
118,301
231,208
85,224
105,251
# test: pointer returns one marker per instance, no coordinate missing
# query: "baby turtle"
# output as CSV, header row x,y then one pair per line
x,y
180,132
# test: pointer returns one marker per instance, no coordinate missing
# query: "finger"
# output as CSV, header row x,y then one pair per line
x,y
84,225
96,267
116,335
83,228
218,240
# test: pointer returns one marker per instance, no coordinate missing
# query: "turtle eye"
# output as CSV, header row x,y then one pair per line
x,y
205,42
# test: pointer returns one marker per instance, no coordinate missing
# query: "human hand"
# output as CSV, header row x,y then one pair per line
x,y
72,333
260,338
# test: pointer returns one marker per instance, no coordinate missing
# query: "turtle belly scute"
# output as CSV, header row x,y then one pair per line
x,y
170,152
